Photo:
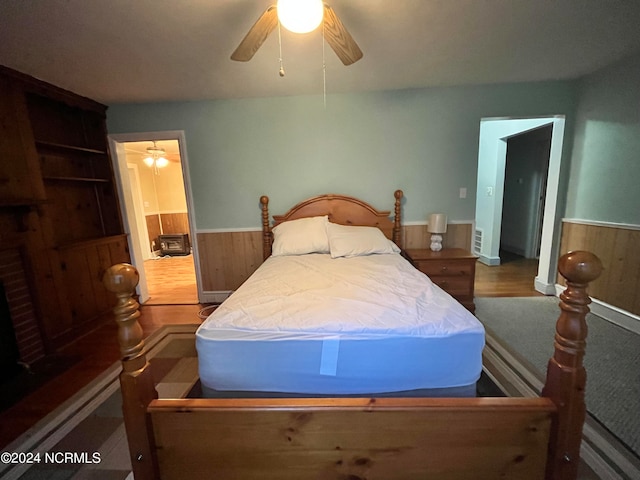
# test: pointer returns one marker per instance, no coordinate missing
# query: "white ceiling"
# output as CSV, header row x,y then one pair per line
x,y
156,50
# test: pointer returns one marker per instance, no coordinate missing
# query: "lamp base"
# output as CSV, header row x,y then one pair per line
x,y
436,243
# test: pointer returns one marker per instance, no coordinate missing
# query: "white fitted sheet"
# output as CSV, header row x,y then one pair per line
x,y
313,324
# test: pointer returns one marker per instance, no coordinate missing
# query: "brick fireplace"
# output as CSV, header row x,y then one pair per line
x,y
20,305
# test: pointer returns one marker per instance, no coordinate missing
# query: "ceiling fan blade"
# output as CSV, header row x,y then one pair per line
x,y
339,39
256,35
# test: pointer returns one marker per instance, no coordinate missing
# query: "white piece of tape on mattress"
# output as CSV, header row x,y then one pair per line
x,y
329,356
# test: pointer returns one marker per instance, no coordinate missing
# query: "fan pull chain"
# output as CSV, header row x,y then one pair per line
x,y
281,71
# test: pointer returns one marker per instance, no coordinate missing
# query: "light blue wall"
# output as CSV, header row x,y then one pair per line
x,y
424,141
605,165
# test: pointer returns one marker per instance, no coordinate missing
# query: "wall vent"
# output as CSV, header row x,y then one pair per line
x,y
477,241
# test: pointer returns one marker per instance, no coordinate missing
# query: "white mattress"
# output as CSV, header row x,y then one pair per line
x,y
313,324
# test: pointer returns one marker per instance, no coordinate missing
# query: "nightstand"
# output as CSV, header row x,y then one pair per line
x,y
452,269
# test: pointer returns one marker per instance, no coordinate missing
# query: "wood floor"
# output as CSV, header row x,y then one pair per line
x,y
514,278
171,280
98,350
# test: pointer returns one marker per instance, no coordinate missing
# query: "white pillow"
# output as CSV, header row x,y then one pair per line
x,y
351,241
302,236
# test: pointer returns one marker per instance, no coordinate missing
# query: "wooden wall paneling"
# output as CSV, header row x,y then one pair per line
x,y
56,179
209,259
624,288
83,266
252,254
619,250
173,223
55,122
153,228
99,260
118,250
54,312
74,212
109,209
19,172
458,236
75,268
241,257
227,259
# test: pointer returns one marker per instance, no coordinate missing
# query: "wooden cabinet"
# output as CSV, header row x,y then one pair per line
x,y
452,269
56,177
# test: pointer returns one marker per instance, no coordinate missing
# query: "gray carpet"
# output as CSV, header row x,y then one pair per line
x,y
527,326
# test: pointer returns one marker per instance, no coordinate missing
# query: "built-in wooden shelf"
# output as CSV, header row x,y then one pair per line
x,y
91,242
20,203
72,148
77,179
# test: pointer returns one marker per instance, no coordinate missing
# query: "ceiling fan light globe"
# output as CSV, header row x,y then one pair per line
x,y
148,161
162,162
300,16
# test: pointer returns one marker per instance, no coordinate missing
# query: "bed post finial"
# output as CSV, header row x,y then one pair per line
x,y
566,376
397,218
266,230
136,381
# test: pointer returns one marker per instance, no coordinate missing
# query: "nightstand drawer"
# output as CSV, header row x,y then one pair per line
x,y
452,269
449,268
454,286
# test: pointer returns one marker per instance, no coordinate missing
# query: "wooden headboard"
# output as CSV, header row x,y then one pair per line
x,y
341,209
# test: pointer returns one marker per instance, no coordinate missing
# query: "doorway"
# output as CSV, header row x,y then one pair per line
x,y
492,159
525,181
155,199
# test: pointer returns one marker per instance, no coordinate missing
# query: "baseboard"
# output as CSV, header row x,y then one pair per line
x,y
615,315
215,296
491,261
544,287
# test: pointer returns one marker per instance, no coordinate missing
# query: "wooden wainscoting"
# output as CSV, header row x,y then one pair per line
x,y
228,258
167,223
619,249
458,236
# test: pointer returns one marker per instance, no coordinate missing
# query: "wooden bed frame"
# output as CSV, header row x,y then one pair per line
x,y
358,438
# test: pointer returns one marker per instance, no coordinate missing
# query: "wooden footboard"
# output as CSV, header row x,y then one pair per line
x,y
357,439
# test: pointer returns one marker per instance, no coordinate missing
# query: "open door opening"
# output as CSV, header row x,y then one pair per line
x,y
490,194
157,213
525,182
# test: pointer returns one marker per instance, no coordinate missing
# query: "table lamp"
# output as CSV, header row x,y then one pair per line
x,y
437,225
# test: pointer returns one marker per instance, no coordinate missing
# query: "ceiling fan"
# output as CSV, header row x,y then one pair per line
x,y
337,36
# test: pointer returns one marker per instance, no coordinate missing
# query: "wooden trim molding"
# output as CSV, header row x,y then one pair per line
x,y
598,223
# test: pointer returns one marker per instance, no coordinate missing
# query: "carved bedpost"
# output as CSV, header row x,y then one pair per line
x,y
266,230
566,376
136,381
397,219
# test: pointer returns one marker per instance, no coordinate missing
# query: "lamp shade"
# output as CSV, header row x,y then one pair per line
x,y
437,223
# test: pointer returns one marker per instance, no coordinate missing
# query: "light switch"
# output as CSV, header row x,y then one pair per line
x,y
489,191
463,192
